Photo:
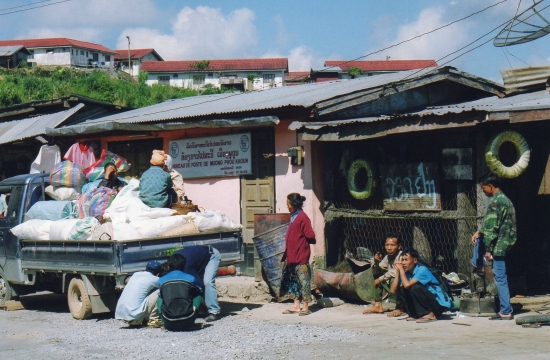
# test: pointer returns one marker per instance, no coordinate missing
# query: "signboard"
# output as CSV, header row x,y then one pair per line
x,y
215,156
457,164
411,187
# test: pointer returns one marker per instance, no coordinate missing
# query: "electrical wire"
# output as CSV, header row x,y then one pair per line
x,y
35,7
20,6
417,36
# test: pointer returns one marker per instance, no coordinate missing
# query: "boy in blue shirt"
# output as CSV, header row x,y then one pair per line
x,y
420,291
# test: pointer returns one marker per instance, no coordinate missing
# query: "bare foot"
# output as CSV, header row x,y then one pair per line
x,y
396,313
373,310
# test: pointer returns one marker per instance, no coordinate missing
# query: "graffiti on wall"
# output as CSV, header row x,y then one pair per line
x,y
411,187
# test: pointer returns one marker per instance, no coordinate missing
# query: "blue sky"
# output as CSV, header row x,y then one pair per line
x,y
307,32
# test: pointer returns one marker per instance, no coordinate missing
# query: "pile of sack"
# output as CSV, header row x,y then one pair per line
x,y
85,212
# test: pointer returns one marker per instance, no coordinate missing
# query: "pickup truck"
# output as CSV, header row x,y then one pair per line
x,y
91,273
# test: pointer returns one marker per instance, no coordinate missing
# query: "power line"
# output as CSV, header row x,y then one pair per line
x,y
417,36
35,7
20,6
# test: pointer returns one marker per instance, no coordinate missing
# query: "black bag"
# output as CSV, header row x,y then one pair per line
x,y
177,309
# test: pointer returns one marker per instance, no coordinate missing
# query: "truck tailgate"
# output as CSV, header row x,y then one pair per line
x,y
70,256
134,254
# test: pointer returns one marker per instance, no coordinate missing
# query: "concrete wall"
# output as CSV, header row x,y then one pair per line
x,y
186,79
290,178
68,57
220,194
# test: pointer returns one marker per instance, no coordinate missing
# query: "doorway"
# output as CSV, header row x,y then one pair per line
x,y
137,152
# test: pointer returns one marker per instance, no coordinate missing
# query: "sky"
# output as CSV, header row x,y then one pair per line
x,y
307,32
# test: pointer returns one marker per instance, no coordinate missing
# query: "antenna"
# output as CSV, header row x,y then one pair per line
x,y
529,25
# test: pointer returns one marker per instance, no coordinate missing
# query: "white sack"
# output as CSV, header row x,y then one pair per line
x,y
141,211
151,228
125,231
116,212
61,229
210,220
33,229
84,228
62,193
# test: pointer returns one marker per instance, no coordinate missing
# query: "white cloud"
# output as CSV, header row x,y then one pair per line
x,y
200,33
300,58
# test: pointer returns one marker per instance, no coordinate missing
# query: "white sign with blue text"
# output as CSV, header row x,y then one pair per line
x,y
214,156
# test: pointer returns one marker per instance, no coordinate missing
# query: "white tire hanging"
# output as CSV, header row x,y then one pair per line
x,y
492,158
368,190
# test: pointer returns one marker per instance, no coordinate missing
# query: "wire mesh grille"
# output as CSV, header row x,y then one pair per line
x,y
442,238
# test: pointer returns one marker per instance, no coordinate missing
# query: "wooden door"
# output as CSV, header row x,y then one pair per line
x,y
258,189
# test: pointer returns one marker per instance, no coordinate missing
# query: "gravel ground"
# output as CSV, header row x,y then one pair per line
x,y
57,335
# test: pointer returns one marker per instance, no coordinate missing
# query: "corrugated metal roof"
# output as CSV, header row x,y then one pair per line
x,y
11,131
11,50
525,79
305,96
539,100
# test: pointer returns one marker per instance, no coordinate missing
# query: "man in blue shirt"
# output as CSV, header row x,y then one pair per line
x,y
203,263
138,300
420,291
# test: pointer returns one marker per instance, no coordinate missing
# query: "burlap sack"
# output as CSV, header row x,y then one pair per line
x,y
185,229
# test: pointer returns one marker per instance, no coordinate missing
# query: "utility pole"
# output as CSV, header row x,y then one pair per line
x,y
129,64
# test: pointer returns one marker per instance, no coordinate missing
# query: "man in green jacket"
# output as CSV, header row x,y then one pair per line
x,y
496,239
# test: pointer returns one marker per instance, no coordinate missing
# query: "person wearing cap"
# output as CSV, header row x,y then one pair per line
x,y
155,183
177,179
138,302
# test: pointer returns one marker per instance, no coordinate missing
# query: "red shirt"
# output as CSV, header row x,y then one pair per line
x,y
298,237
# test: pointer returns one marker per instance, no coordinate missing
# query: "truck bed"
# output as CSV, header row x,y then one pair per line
x,y
119,257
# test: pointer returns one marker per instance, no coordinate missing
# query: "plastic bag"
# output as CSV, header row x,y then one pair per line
x,y
95,203
33,230
82,229
94,171
67,174
61,193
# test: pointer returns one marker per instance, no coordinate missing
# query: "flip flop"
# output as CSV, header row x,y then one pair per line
x,y
410,319
288,312
425,320
500,317
304,312
396,313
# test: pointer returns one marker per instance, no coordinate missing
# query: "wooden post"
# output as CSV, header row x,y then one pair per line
x,y
466,226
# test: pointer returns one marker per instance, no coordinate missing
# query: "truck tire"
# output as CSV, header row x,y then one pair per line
x,y
6,291
368,189
493,162
79,300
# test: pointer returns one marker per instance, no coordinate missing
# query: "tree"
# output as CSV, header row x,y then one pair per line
x,y
354,72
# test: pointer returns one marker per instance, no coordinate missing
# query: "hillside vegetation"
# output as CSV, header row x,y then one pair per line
x,y
39,83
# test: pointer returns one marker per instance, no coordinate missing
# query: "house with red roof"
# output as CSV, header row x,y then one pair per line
x,y
340,69
130,60
241,74
297,78
65,52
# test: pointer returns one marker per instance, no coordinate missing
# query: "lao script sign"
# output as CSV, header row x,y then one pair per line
x,y
411,187
215,156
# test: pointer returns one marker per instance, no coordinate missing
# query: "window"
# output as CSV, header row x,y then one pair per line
x,y
198,79
86,54
210,75
107,58
49,51
164,80
31,56
269,78
175,76
72,52
81,52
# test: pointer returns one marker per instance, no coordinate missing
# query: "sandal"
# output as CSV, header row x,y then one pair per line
x,y
304,312
290,311
425,320
500,317
396,313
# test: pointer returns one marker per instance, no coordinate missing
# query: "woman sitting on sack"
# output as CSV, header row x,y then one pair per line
x,y
155,187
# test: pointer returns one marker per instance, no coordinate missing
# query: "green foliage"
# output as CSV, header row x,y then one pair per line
x,y
39,83
354,72
251,77
200,65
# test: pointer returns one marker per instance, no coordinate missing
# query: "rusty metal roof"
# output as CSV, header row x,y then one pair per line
x,y
525,79
305,96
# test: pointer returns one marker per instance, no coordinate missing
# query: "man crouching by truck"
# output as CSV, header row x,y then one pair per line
x,y
138,301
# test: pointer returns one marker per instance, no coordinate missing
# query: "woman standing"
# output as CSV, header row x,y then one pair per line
x,y
297,272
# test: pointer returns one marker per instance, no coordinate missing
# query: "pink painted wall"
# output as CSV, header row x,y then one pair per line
x,y
290,178
220,194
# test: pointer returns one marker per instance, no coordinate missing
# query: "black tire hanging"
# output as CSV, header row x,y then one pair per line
x,y
368,190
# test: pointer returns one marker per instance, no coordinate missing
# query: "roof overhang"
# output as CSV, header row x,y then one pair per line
x,y
95,127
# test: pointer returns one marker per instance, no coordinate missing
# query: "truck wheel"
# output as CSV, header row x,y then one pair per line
x,y
79,300
6,292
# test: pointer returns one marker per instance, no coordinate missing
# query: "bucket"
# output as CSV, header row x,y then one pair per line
x,y
271,248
